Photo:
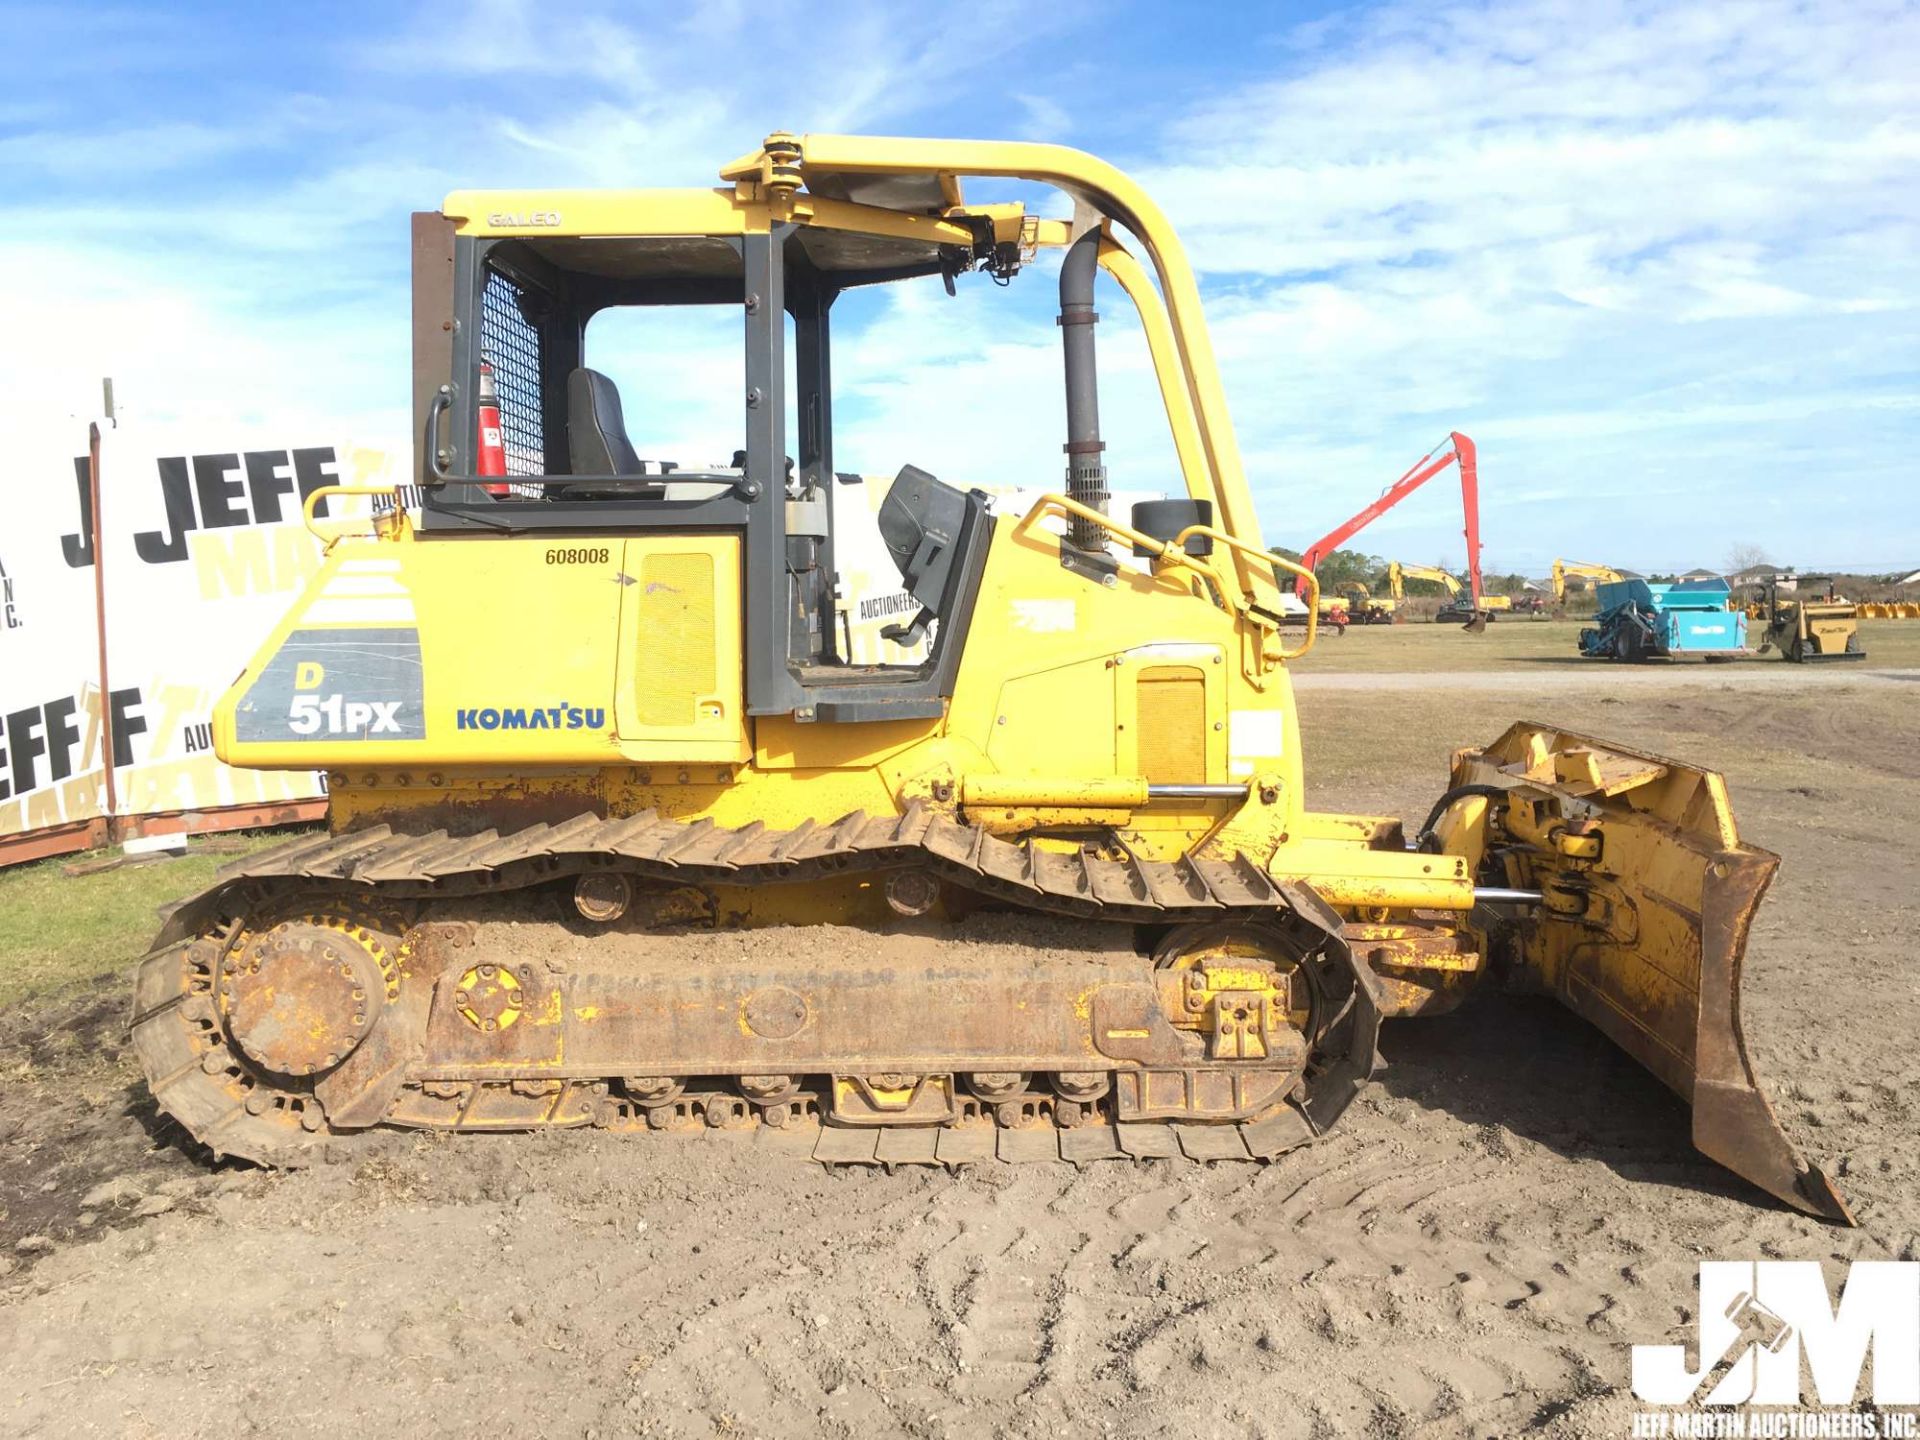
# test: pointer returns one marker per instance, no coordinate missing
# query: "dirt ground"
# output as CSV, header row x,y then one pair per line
x,y
1473,1252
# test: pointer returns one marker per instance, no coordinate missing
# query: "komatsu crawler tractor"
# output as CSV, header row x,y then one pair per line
x,y
578,703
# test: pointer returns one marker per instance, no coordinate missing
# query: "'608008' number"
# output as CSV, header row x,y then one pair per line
x,y
589,556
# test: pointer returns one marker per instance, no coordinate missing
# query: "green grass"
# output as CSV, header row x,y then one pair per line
x,y
1517,643
58,932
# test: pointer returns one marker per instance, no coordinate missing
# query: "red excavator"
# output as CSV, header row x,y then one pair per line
x,y
1456,448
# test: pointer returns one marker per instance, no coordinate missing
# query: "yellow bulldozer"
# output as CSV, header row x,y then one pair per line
x,y
580,708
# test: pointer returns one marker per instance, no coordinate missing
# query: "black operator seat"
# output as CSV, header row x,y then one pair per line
x,y
597,442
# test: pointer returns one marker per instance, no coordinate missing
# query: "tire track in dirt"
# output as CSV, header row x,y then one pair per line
x,y
1352,1245
766,1349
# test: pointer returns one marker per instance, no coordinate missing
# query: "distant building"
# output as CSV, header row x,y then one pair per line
x,y
1759,574
1700,574
1912,577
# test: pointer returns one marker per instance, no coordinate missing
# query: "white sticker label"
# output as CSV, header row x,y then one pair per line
x,y
1253,736
1044,617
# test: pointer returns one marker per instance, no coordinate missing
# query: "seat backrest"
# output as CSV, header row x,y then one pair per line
x,y
597,442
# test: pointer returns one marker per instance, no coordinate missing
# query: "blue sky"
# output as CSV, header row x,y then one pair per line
x,y
1663,263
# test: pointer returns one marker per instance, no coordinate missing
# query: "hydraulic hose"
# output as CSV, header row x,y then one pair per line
x,y
1449,799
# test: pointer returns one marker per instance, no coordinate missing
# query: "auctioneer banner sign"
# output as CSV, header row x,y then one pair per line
x,y
200,548
50,700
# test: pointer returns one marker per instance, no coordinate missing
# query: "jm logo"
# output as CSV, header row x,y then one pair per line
x,y
1757,1318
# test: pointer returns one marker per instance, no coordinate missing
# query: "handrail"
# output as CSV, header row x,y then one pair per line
x,y
437,456
1279,562
308,517
1173,552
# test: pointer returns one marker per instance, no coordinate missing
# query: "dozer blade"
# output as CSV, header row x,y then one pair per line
x,y
1648,897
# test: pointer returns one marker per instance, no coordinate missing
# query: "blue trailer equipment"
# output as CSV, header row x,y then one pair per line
x,y
1642,621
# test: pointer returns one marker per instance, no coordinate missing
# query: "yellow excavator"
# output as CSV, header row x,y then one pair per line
x,y
1455,609
1459,608
1563,569
619,839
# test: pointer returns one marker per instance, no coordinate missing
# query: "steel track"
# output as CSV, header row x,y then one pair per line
x,y
197,1078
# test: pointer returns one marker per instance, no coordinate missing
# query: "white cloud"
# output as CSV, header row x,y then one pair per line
x,y
1610,241
279,297
1657,262
181,361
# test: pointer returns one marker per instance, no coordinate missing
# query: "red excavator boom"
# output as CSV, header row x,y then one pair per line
x,y
1457,447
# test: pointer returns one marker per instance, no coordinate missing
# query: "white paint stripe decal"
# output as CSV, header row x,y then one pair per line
x,y
357,612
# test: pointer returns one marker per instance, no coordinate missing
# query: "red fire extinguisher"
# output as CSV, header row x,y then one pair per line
x,y
491,453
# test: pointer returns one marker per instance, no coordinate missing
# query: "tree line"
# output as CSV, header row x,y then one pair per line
x,y
1338,567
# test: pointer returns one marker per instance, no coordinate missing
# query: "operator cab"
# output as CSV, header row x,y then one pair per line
x,y
620,410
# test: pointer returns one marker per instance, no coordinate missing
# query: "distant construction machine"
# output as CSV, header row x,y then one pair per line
x,y
1455,610
1639,620
1362,606
1564,568
1812,626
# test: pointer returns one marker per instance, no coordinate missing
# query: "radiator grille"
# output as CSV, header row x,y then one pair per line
x,y
1171,701
677,665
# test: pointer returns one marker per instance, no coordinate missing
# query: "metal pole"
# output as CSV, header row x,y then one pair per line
x,y
98,540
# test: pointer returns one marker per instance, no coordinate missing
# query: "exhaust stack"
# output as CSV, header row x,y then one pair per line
x,y
1086,475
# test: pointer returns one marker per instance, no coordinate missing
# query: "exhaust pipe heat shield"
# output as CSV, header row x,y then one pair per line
x,y
1649,895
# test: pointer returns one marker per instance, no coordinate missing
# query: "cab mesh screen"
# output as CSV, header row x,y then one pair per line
x,y
512,344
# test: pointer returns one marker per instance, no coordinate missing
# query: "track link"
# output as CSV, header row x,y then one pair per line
x,y
1080,883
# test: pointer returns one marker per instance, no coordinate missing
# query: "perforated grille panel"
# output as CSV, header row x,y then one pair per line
x,y
1172,705
677,665
513,346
